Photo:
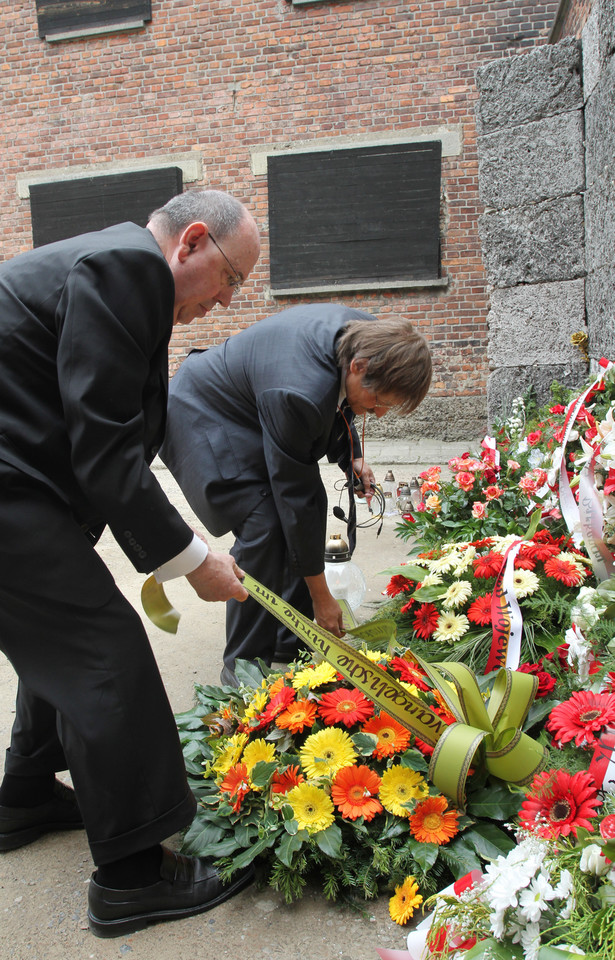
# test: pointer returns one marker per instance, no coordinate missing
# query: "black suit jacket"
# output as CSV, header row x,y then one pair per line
x,y
252,418
84,331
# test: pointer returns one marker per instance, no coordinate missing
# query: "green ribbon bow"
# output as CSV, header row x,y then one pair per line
x,y
495,729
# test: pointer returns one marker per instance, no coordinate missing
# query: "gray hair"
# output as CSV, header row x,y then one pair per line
x,y
221,212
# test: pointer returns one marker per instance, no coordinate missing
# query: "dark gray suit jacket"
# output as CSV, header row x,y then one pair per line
x,y
252,417
84,331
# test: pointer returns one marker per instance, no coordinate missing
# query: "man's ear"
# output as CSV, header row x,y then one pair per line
x,y
191,238
359,365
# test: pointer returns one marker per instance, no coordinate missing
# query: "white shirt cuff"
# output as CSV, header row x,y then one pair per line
x,y
185,562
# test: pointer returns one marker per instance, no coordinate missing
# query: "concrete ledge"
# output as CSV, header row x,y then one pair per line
x,y
190,164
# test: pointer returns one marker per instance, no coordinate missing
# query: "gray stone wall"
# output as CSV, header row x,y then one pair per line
x,y
546,124
532,183
599,71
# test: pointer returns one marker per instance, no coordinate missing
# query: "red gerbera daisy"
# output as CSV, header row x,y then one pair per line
x,y
353,792
236,783
481,544
543,551
564,570
559,804
345,706
480,611
488,566
425,620
581,717
392,737
425,748
276,705
409,672
408,606
525,559
283,782
398,584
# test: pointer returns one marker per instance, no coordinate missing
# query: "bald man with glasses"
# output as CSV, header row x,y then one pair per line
x,y
85,326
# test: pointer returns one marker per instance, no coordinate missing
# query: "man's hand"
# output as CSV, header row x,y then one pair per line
x,y
329,617
217,578
366,475
327,611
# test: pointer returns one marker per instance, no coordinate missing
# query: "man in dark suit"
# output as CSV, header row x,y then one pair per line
x,y
85,325
248,422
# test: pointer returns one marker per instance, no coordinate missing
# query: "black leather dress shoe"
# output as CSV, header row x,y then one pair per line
x,y
188,885
22,825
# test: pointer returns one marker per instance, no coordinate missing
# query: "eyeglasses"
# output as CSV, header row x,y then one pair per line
x,y
236,279
384,406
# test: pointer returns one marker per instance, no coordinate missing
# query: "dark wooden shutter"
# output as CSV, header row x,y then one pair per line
x,y
369,213
67,208
65,16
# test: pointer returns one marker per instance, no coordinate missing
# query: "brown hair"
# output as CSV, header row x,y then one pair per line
x,y
399,361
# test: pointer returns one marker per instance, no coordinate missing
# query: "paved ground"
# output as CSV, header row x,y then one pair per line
x,y
43,887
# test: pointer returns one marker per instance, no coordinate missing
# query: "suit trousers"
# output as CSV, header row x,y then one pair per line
x,y
90,696
260,549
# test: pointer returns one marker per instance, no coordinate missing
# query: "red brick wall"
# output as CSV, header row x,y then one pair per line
x,y
573,18
219,78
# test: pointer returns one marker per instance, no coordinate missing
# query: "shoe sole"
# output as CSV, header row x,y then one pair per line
x,y
121,928
19,838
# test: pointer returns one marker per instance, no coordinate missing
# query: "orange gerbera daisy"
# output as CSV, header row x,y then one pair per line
x,y
276,686
345,706
431,822
353,791
297,716
283,782
392,737
236,783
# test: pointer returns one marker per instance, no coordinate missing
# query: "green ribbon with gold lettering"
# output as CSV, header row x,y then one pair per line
x,y
506,752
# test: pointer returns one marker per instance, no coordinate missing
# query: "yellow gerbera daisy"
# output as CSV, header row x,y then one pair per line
x,y
256,751
524,583
401,785
451,626
376,656
326,752
257,703
231,753
457,594
312,807
405,901
314,676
